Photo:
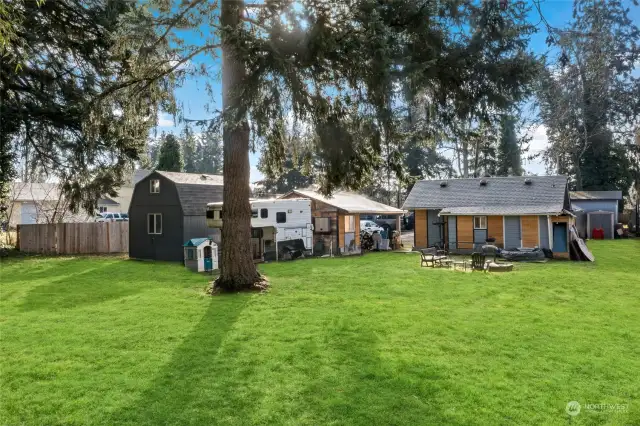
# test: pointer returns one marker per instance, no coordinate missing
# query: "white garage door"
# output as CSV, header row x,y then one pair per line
x,y
28,214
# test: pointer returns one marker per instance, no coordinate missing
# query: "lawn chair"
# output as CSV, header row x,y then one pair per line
x,y
478,262
431,257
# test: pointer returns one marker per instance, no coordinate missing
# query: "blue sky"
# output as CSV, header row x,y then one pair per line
x,y
194,97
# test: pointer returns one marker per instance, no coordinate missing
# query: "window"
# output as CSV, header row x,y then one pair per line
x,y
254,213
264,213
479,222
349,223
191,253
102,209
124,215
154,223
108,216
154,186
281,217
322,224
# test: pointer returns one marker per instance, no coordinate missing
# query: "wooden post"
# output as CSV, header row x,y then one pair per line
x,y
108,238
18,237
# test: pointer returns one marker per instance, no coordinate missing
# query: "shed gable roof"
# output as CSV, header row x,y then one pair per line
x,y
349,202
596,195
547,192
195,190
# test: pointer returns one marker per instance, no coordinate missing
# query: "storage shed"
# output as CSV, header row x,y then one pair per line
x,y
336,219
596,209
167,209
201,254
518,211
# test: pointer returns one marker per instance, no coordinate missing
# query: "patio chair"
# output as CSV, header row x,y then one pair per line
x,y
478,262
432,257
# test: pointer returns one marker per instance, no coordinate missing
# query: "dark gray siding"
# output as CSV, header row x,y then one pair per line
x,y
601,220
196,227
593,206
433,231
168,245
596,205
544,232
453,238
512,236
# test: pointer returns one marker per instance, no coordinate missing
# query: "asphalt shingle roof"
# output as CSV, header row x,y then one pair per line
x,y
545,194
596,195
350,202
195,190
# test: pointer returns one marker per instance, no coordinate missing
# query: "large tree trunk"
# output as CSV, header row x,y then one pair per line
x,y
237,270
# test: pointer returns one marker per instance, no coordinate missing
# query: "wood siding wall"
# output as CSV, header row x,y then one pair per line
x,y
465,232
530,231
420,225
341,230
74,238
320,209
495,229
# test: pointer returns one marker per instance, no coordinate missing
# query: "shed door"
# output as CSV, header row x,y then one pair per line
x,y
28,214
512,235
604,221
560,237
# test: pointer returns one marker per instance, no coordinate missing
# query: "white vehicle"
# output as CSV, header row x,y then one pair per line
x,y
111,217
283,223
370,227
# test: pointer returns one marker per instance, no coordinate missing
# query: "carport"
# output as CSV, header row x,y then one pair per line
x,y
336,219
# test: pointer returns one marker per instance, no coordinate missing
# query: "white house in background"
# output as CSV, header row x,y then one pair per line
x,y
42,202
39,203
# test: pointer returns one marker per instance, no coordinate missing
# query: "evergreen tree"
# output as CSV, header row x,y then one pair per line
x,y
334,65
589,100
189,151
170,155
60,111
210,146
509,158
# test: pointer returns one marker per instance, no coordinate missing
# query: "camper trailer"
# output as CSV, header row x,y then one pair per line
x,y
279,228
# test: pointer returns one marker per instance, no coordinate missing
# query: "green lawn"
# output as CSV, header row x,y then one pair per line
x,y
364,340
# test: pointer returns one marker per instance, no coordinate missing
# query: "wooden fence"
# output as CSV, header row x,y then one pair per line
x,y
74,238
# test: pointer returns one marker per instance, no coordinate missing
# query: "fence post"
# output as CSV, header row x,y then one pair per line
x,y
18,237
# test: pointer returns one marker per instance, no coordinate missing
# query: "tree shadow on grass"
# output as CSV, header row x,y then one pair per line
x,y
106,280
193,387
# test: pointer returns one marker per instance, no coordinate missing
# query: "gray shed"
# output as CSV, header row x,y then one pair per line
x,y
167,209
603,205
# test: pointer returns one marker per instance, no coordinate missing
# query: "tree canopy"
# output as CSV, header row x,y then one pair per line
x,y
61,112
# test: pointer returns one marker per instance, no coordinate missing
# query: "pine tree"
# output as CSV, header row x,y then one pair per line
x,y
210,146
170,156
589,99
190,151
509,158
61,112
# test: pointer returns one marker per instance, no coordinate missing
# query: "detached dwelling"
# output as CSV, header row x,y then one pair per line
x,y
167,209
518,211
336,219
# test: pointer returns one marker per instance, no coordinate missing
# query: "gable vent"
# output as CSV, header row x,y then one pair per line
x,y
443,184
483,182
528,181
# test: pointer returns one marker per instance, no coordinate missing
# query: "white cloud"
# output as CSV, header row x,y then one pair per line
x,y
255,175
540,141
538,144
165,120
